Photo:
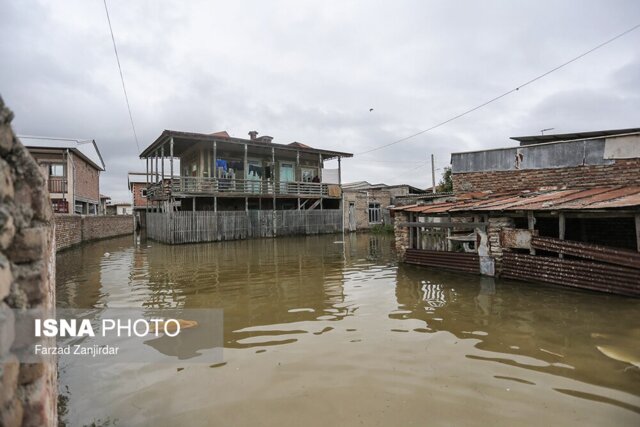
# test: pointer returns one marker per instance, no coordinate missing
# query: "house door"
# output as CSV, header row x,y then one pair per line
x,y
286,175
352,216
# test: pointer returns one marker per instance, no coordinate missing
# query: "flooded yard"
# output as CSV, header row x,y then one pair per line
x,y
319,332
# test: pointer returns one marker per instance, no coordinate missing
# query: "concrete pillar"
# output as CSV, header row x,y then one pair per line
x,y
531,221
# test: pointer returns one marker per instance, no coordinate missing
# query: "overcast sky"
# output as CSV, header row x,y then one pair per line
x,y
309,71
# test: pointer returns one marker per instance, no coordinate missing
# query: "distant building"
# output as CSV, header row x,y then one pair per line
x,y
119,209
72,168
562,209
138,183
367,205
104,201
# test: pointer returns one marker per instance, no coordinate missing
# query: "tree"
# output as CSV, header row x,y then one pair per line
x,y
446,183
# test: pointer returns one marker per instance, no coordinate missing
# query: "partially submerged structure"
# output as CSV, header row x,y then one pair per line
x,y
367,205
233,188
563,209
72,168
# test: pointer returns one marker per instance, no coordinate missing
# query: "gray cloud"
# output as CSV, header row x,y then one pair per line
x,y
310,71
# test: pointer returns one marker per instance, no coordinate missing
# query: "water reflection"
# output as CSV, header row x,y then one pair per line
x,y
540,328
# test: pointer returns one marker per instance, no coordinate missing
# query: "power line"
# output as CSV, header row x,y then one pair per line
x,y
505,93
124,88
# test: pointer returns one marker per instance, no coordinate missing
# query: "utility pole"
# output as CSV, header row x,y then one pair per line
x,y
433,174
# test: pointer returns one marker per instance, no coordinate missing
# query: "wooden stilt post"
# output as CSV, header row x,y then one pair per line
x,y
146,200
273,180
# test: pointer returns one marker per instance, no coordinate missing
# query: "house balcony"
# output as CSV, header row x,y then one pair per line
x,y
222,187
57,185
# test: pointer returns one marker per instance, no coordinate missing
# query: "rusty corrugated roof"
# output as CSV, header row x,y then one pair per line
x,y
541,200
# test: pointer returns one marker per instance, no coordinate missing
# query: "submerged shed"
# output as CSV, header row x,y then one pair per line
x,y
564,212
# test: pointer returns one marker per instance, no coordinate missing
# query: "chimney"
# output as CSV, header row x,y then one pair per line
x,y
253,134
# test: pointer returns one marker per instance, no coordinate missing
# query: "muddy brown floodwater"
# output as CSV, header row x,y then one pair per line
x,y
323,333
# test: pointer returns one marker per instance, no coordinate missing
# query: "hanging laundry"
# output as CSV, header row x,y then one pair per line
x,y
221,164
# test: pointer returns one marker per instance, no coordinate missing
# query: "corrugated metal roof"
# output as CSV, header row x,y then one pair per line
x,y
86,148
537,139
543,200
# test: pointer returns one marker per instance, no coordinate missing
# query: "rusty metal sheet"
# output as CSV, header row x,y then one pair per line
x,y
488,204
614,197
553,199
589,251
575,197
579,274
458,261
628,200
516,238
534,199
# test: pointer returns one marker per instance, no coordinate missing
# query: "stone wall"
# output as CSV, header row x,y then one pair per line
x,y
621,172
401,233
74,229
496,225
28,392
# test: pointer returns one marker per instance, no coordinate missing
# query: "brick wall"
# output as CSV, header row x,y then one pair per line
x,y
622,172
28,392
138,200
87,180
74,229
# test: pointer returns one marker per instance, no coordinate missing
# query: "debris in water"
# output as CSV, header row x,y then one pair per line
x,y
551,352
620,354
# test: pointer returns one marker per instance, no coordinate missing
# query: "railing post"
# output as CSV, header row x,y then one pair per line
x,y
162,163
215,159
246,164
171,167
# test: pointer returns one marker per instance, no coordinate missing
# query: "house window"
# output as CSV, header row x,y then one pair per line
x,y
56,170
374,213
308,174
143,192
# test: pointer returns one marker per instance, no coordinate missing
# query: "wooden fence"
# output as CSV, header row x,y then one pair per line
x,y
207,226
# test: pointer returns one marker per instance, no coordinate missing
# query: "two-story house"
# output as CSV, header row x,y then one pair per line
x,y
219,173
72,168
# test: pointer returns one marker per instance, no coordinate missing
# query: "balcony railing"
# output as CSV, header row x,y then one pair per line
x,y
185,186
57,185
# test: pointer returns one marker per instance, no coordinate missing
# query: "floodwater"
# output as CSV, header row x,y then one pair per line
x,y
318,332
